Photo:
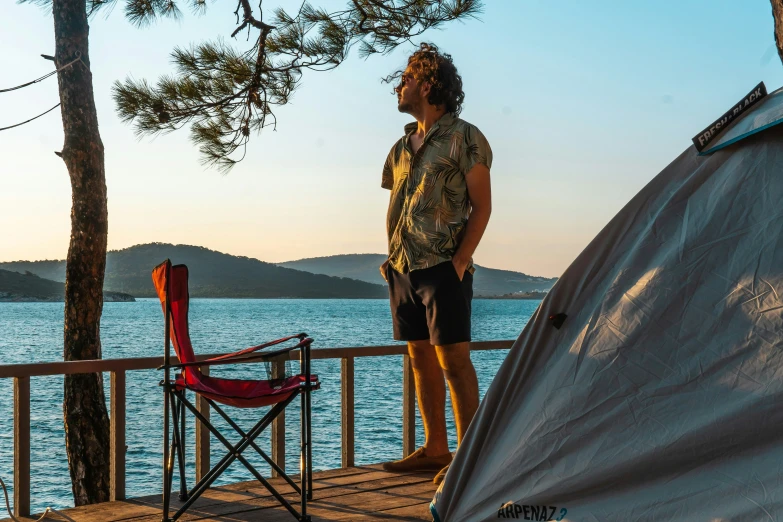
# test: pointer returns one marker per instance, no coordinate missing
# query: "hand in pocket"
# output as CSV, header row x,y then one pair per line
x,y
459,268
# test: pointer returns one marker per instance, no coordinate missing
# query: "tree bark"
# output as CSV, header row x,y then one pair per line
x,y
777,15
84,405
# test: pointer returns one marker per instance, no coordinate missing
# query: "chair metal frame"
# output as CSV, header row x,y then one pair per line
x,y
175,405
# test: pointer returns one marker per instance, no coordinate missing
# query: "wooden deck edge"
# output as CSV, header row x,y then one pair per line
x,y
257,499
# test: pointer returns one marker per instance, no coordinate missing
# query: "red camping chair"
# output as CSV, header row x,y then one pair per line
x,y
171,283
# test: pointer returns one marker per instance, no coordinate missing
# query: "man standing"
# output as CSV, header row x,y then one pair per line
x,y
440,203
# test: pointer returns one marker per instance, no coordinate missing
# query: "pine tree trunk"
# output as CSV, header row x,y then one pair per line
x,y
84,406
777,14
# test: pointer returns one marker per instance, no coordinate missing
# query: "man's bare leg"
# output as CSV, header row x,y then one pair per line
x,y
455,361
431,394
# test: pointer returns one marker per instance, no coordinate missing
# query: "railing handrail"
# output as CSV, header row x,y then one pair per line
x,y
148,363
117,368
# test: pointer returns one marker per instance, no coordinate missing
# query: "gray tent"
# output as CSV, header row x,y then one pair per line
x,y
660,397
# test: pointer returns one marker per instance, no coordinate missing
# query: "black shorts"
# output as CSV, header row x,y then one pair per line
x,y
431,304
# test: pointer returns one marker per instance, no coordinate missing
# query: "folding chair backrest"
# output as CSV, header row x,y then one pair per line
x,y
171,283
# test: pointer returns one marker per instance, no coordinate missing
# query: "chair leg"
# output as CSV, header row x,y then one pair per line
x,y
178,433
183,486
169,478
235,453
166,488
261,452
171,448
303,473
309,445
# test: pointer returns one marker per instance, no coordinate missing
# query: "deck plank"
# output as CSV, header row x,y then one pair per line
x,y
351,494
355,499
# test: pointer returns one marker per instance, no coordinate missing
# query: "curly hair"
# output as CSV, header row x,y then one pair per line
x,y
430,65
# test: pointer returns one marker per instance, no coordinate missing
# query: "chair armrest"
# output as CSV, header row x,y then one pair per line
x,y
300,336
238,356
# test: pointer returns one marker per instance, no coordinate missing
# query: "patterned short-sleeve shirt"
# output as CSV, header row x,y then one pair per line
x,y
429,205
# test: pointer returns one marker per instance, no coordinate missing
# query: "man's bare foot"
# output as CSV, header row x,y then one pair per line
x,y
441,475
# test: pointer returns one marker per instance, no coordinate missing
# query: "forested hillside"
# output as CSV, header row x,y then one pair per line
x,y
212,274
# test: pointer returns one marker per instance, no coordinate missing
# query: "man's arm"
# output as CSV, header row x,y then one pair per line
x,y
387,182
480,196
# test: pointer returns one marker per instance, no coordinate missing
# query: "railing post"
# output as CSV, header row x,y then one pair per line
x,y
202,435
347,410
278,424
117,404
408,408
21,446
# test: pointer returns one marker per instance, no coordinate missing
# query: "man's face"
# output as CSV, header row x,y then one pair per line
x,y
409,93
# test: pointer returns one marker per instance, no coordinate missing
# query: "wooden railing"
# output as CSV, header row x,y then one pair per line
x,y
117,368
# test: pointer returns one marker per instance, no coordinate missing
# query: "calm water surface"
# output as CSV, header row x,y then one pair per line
x,y
32,332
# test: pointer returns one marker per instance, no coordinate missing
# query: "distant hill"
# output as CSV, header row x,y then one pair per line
x,y
29,287
212,274
364,267
53,270
215,274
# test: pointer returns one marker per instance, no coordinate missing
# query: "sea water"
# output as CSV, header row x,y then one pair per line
x,y
33,332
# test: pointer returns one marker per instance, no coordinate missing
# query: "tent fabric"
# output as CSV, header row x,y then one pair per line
x,y
660,398
768,113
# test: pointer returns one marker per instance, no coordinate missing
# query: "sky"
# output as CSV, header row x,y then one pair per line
x,y
583,103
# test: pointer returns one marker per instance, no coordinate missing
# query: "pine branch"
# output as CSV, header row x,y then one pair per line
x,y
226,95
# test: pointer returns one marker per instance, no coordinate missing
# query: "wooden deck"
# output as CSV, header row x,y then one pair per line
x,y
360,493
